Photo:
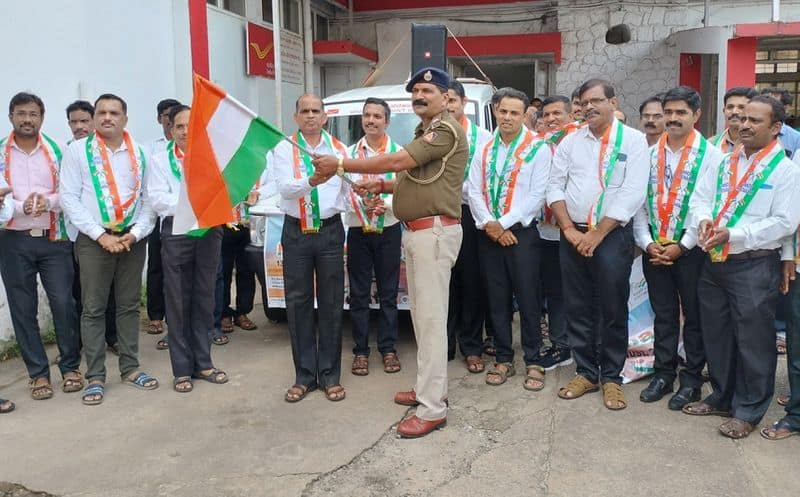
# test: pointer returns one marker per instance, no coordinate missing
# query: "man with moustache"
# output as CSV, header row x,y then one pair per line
x,y
80,118
651,119
733,107
468,299
313,251
190,266
672,260
577,111
597,238
557,116
113,224
745,208
34,242
427,198
373,246
506,192
789,137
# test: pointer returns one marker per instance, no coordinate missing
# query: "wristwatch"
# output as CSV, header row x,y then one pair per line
x,y
340,167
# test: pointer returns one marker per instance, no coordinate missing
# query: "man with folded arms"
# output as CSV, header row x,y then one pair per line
x,y
597,183
189,266
373,246
506,192
744,208
35,242
672,260
103,195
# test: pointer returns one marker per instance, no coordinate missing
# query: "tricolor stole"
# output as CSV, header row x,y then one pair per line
x,y
667,210
115,213
500,182
53,155
721,143
731,198
241,213
471,130
607,161
370,224
310,221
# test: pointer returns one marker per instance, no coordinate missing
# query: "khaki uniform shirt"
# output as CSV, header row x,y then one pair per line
x,y
414,197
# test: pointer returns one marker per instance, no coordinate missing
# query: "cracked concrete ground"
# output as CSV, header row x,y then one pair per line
x,y
243,440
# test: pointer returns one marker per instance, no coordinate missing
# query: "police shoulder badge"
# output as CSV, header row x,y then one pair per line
x,y
430,136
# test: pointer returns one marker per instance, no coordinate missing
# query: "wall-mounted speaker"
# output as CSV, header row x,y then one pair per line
x,y
428,46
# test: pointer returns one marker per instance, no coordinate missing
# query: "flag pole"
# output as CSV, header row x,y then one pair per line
x,y
311,154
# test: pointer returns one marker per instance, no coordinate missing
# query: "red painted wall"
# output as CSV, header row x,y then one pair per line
x,y
367,5
690,68
198,32
741,70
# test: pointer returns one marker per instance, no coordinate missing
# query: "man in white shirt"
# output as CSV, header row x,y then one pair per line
x,y
103,196
672,260
313,245
467,308
190,266
651,119
597,183
155,273
506,192
373,246
744,210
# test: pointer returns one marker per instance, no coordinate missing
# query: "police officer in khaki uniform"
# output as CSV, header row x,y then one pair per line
x,y
427,199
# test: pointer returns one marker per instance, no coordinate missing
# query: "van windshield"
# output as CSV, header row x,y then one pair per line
x,y
347,128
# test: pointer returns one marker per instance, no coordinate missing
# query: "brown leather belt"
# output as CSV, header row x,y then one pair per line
x,y
425,223
752,254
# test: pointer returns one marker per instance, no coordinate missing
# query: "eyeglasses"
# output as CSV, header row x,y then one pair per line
x,y
594,101
23,115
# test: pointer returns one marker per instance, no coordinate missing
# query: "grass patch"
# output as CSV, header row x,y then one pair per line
x,y
13,351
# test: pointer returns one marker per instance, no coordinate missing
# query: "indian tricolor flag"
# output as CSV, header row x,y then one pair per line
x,y
226,153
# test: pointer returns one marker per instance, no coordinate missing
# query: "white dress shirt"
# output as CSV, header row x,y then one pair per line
x,y
641,222
352,219
574,176
482,138
772,214
332,194
7,205
162,185
78,199
529,193
156,146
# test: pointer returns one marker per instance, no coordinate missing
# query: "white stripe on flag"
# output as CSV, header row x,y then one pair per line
x,y
185,219
226,130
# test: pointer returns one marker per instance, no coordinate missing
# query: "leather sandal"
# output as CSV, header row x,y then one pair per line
x,y
6,406
41,391
73,382
783,399
497,375
577,387
155,327
334,393
703,409
226,324
245,323
391,363
360,365
736,428
183,384
534,378
296,393
614,397
779,430
475,364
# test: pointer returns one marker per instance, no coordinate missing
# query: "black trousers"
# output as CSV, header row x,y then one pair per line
x,y
234,243
368,252
22,257
737,309
467,307
599,340
317,352
672,289
514,272
111,310
793,355
553,296
155,276
190,274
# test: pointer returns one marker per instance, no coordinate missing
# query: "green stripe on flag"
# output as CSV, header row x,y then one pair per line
x,y
250,159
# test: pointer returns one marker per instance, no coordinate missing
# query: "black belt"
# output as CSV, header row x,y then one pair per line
x,y
752,254
583,228
33,233
127,230
337,219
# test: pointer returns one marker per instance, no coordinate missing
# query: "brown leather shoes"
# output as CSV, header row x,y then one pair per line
x,y
414,427
408,398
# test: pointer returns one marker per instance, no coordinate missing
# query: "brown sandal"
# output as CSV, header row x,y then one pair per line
x,y
360,365
779,430
614,397
296,393
42,391
736,428
497,376
73,382
703,409
6,406
783,399
534,378
334,393
577,387
391,363
155,327
245,323
475,364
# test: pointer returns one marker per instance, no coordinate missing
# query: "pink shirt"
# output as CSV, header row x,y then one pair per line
x,y
30,173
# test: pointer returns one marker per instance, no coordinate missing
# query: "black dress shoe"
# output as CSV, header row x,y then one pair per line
x,y
657,388
683,396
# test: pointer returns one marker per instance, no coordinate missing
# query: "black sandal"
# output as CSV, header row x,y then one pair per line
x,y
6,406
216,376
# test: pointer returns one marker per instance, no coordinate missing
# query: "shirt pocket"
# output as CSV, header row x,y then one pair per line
x,y
618,174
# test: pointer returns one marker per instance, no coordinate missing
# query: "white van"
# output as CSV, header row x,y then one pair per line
x,y
344,122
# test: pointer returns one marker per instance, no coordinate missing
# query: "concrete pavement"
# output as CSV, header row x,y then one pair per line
x,y
242,439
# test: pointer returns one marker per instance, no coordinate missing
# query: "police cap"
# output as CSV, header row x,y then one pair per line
x,y
430,75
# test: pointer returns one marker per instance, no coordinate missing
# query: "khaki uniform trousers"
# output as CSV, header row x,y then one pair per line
x,y
430,255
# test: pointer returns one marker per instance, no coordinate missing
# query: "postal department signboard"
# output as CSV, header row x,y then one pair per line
x,y
261,54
